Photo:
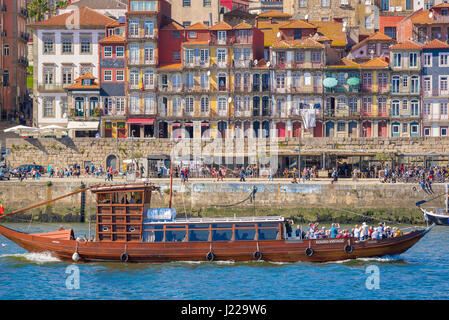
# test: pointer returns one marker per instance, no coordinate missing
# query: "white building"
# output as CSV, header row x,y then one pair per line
x,y
64,48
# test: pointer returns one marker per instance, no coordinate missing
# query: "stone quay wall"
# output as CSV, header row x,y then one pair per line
x,y
204,195
64,152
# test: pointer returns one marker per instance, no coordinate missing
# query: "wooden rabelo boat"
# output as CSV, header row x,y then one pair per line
x,y
128,230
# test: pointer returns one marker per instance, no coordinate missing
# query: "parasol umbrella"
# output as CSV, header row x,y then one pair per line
x,y
330,82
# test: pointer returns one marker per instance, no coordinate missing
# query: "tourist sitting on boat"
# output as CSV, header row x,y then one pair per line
x,y
397,232
298,232
357,230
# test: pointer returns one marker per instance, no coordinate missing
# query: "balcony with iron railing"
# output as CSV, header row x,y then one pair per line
x,y
435,93
375,88
343,89
228,41
242,64
435,117
197,63
143,33
49,87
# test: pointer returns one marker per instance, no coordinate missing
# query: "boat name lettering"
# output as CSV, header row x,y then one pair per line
x,y
329,241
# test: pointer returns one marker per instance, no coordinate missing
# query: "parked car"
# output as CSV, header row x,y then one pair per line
x,y
26,168
4,174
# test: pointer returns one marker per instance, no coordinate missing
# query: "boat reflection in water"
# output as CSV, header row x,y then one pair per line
x,y
128,230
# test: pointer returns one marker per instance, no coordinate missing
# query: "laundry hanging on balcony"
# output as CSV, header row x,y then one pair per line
x,y
330,82
308,118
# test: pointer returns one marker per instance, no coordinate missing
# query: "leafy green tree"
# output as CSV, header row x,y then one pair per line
x,y
37,9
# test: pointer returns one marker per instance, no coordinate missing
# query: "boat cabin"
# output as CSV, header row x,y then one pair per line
x,y
124,214
120,211
214,229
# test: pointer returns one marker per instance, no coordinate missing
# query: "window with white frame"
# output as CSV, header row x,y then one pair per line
x,y
49,75
280,80
427,108
204,81
176,106
414,107
148,78
221,37
395,108
413,60
397,59
107,75
134,79
204,56
189,55
222,105
67,44
427,59
48,107
120,51
134,104
404,127
189,80
353,102
414,84
443,84
133,28
382,105
443,108
414,129
204,105
148,28
148,102
444,59
189,105
316,56
134,54
120,105
177,82
107,52
221,55
405,81
427,84
49,44
63,103
426,132
67,75
119,75
148,55
404,104
302,3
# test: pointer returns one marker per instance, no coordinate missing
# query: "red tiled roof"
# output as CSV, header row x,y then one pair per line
x,y
112,39
198,26
172,26
345,63
297,24
375,63
407,45
375,37
87,17
243,25
435,44
221,26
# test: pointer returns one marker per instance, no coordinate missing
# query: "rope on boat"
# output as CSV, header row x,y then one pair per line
x,y
251,197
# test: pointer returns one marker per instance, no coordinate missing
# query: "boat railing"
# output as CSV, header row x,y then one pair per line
x,y
224,219
436,210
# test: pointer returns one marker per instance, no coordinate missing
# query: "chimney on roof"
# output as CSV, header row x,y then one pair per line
x,y
271,20
257,22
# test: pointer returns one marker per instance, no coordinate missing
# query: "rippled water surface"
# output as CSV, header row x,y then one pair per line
x,y
420,273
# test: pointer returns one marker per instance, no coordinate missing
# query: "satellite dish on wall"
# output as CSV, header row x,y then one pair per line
x,y
430,14
229,100
306,17
278,34
268,63
255,62
208,72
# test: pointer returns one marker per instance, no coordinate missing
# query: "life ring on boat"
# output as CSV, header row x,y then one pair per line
x,y
414,188
210,256
257,255
309,252
124,257
349,248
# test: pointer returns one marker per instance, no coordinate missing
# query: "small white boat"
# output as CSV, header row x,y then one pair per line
x,y
439,216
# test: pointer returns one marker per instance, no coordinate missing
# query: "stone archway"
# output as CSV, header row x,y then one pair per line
x,y
112,161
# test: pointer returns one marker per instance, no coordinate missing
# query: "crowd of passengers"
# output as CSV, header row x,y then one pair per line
x,y
362,232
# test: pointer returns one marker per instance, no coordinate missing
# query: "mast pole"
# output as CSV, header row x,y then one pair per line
x,y
447,198
171,181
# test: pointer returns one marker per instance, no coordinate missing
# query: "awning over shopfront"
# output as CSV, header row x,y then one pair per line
x,y
83,125
141,121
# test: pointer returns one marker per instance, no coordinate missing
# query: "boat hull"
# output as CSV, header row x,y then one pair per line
x,y
438,219
324,250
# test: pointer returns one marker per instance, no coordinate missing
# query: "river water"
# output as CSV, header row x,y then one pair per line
x,y
420,273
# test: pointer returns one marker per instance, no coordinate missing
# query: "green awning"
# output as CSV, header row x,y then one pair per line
x,y
353,81
330,82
